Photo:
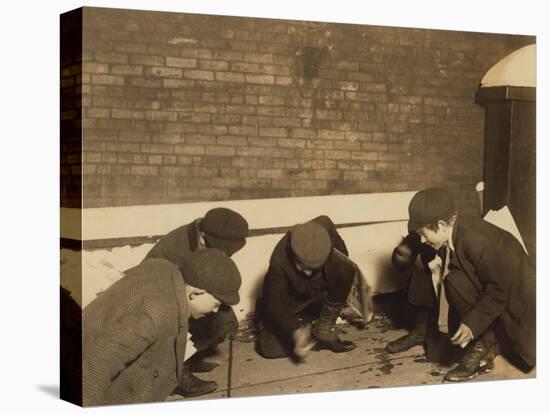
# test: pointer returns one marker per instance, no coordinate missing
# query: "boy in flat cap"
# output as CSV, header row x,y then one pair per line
x,y
487,281
309,278
223,229
135,333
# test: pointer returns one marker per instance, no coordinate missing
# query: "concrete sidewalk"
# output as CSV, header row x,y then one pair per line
x,y
245,373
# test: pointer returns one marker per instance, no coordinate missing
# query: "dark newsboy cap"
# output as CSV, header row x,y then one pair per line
x,y
429,206
214,271
311,244
225,229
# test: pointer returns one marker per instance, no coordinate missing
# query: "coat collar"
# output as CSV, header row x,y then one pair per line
x,y
453,237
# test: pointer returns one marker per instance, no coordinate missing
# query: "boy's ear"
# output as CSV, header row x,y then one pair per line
x,y
441,224
196,292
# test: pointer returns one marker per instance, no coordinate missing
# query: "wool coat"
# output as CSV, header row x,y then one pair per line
x,y
176,247
499,271
134,336
287,291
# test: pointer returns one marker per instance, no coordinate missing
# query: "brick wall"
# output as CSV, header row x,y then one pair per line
x,y
70,109
180,107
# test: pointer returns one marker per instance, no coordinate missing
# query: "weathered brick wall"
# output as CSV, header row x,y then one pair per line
x,y
181,107
70,109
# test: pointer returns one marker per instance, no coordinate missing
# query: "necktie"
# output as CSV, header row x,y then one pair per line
x,y
443,320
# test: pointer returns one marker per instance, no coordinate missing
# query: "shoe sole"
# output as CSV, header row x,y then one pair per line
x,y
198,394
488,367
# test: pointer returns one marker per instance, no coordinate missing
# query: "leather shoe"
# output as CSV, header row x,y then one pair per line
x,y
200,365
337,345
477,360
406,342
191,386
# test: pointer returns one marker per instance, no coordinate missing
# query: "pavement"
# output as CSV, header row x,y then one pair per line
x,y
243,372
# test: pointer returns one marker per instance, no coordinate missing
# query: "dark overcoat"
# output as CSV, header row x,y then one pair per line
x,y
134,336
498,268
287,291
176,246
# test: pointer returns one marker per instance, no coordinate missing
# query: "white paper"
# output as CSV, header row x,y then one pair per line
x,y
503,218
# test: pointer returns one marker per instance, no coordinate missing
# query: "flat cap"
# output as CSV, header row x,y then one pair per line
x,y
212,270
225,229
311,244
429,206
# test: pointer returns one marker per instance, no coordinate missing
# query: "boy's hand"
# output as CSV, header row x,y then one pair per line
x,y
462,336
404,255
303,341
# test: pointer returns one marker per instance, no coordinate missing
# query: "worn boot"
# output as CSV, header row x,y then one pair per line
x,y
478,359
404,343
325,330
191,386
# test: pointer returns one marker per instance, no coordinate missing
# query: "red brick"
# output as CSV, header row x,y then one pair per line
x,y
110,57
189,149
129,47
90,67
198,74
273,132
123,147
261,79
337,155
373,146
161,116
196,53
232,140
157,149
127,114
144,170
127,70
107,80
147,60
181,62
229,77
97,113
164,72
221,151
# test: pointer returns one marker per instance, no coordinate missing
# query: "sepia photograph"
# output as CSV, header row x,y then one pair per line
x,y
256,206
269,207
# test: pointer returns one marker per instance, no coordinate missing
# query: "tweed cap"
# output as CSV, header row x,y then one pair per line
x,y
311,244
429,206
212,270
225,229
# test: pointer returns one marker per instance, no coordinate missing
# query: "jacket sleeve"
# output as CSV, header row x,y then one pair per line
x,y
279,302
107,356
493,268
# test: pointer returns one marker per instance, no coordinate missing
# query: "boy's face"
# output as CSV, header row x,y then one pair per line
x,y
202,303
304,269
435,239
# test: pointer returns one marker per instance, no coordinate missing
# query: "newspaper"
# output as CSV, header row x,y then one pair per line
x,y
503,218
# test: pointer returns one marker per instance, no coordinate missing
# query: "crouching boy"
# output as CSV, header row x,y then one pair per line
x,y
309,279
487,282
135,333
